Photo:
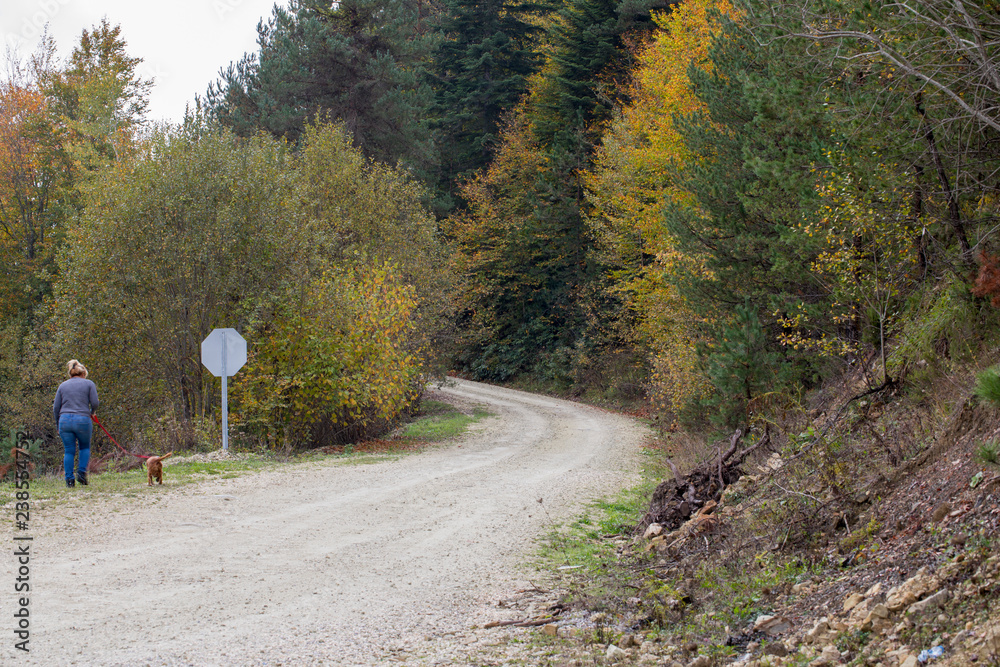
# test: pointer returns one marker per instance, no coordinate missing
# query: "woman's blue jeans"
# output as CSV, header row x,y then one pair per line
x,y
75,429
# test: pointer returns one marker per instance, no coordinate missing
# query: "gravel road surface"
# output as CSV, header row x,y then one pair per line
x,y
321,563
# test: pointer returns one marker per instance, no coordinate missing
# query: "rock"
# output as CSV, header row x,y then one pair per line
x,y
829,656
776,649
898,655
852,601
628,641
882,626
659,543
859,613
652,531
551,629
900,599
988,647
818,631
701,661
933,602
875,590
911,590
615,654
910,661
876,619
772,625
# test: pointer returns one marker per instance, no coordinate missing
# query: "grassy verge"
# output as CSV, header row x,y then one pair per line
x,y
586,554
602,571
435,422
132,482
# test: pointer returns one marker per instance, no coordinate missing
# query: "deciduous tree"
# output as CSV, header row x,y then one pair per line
x,y
630,185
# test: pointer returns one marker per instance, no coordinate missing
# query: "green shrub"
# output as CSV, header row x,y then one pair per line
x,y
988,385
939,325
989,452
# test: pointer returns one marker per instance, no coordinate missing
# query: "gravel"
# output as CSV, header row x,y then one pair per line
x,y
396,562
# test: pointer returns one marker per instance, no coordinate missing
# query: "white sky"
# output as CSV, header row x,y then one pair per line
x,y
183,43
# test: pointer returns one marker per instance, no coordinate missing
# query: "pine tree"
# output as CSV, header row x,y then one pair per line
x,y
588,43
480,72
759,136
359,62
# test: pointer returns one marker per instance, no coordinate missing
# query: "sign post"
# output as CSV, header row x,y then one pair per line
x,y
223,352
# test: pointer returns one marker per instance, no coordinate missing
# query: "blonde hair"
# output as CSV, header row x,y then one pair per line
x,y
75,368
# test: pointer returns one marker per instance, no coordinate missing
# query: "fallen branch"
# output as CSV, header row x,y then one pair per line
x,y
677,474
798,493
537,622
534,589
722,482
750,450
733,442
675,500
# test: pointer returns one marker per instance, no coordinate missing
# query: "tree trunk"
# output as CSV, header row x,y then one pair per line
x,y
954,213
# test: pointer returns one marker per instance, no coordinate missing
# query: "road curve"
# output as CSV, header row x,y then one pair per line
x,y
320,563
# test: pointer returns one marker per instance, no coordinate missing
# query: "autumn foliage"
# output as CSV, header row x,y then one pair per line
x,y
988,281
247,234
631,183
335,366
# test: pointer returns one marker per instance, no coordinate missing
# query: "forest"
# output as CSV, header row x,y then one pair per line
x,y
708,209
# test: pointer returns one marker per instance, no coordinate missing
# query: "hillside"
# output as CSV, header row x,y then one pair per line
x,y
870,540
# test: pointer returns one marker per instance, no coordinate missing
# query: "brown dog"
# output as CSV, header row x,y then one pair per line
x,y
154,468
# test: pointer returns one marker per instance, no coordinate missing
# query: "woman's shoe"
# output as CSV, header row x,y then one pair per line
x,y
82,478
70,483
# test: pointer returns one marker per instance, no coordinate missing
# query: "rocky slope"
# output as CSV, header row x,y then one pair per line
x,y
869,540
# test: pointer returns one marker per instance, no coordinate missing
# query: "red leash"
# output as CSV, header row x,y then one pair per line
x,y
97,421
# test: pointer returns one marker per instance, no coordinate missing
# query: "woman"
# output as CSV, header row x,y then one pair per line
x,y
76,400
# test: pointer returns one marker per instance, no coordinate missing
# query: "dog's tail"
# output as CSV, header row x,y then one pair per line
x,y
154,459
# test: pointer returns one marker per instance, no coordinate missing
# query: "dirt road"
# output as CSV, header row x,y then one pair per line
x,y
319,563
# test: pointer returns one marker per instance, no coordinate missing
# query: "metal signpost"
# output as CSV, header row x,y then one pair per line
x,y
224,352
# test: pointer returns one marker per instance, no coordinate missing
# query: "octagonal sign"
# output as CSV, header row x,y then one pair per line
x,y
223,352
